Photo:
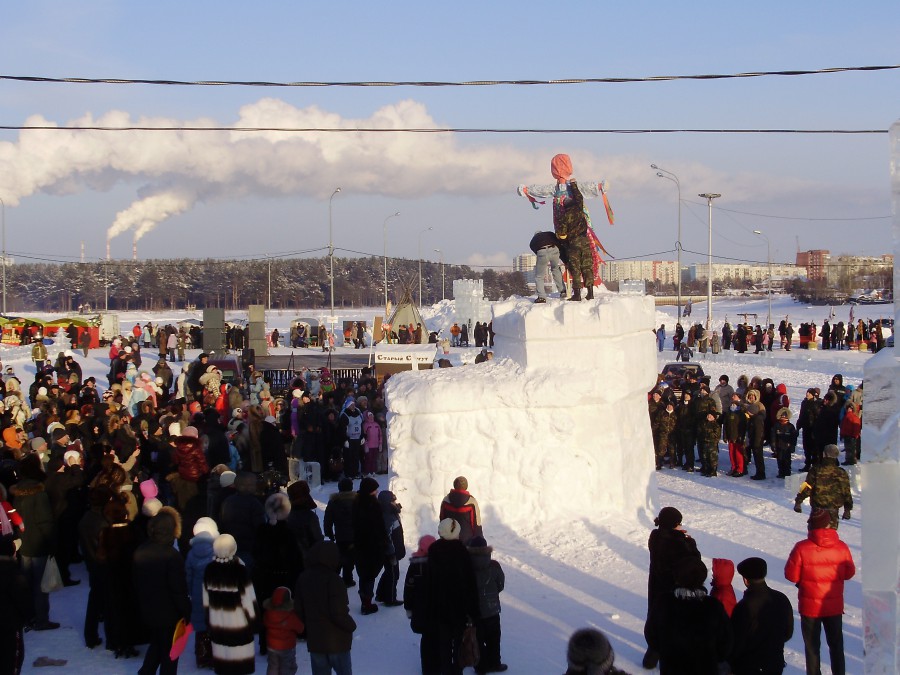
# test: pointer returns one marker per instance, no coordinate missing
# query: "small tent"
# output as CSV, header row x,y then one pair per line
x,y
404,314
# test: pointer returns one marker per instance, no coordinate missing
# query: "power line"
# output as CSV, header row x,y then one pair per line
x,y
804,218
436,130
425,83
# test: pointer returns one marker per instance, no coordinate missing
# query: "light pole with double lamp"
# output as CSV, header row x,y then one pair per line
x,y
769,283
427,229
393,215
331,256
668,175
709,196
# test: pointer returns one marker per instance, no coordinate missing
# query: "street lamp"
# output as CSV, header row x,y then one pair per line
x,y
668,175
769,284
331,255
427,229
441,254
269,292
393,215
709,196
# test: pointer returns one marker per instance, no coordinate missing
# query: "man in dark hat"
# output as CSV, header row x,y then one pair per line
x,y
762,622
819,565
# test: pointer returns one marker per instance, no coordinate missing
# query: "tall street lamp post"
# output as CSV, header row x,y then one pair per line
x,y
331,256
668,175
709,196
769,283
3,218
393,215
427,229
443,291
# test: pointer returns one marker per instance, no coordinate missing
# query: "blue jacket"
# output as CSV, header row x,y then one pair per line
x,y
200,555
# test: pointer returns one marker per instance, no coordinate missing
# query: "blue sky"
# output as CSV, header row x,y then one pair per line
x,y
222,194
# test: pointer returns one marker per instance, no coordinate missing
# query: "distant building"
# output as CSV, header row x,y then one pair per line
x,y
740,273
814,261
657,271
854,266
525,264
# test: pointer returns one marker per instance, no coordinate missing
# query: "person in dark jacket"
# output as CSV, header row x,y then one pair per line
x,y
29,496
784,441
92,523
828,421
370,541
339,526
490,580
462,507
545,246
322,605
452,595
116,553
756,431
242,514
303,521
762,622
415,603
669,543
162,593
217,450
806,421
386,592
589,653
65,488
690,630
18,609
231,609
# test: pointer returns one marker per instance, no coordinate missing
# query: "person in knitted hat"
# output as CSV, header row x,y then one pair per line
x,y
828,487
669,543
784,441
232,611
763,621
282,626
590,653
819,565
370,541
462,507
338,525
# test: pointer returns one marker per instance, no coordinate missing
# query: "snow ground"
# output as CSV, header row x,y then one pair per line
x,y
565,574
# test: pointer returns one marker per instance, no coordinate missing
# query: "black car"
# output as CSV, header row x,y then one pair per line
x,y
673,375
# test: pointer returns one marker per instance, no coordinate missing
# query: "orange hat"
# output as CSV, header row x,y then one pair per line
x,y
561,167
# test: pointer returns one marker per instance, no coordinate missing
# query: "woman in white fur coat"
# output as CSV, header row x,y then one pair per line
x,y
232,612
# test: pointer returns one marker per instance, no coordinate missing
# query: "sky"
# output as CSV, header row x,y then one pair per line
x,y
252,194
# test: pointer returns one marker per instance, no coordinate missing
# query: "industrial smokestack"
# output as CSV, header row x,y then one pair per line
x,y
107,248
134,249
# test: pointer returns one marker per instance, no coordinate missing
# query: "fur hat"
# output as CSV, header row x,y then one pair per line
x,y
224,548
53,426
149,488
669,518
753,568
281,599
226,478
278,507
460,483
819,519
190,432
174,429
38,444
448,529
831,451
752,396
72,457
163,526
368,485
151,507
589,652
206,525
784,413
690,573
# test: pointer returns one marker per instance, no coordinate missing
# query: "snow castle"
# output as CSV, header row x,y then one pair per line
x,y
555,427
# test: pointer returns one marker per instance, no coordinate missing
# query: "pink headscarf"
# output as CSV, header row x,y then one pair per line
x,y
561,168
425,543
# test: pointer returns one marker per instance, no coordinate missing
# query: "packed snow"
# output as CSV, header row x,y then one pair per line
x,y
565,567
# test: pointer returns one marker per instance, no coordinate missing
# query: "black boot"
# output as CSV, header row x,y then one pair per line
x,y
590,292
576,295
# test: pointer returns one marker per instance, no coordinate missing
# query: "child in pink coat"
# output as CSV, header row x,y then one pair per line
x,y
372,434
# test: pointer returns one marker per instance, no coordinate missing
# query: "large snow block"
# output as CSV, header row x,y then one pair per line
x,y
555,427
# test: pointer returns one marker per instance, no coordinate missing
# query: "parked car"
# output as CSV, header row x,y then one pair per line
x,y
673,375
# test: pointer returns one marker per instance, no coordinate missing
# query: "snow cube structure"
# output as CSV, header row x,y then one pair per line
x,y
471,305
555,427
881,476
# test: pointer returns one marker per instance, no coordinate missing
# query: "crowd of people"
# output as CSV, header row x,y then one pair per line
x,y
749,416
692,630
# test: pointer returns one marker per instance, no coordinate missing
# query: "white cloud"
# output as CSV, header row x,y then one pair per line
x,y
499,260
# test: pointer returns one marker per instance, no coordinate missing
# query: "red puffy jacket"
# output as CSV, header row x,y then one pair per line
x,y
820,565
851,425
189,458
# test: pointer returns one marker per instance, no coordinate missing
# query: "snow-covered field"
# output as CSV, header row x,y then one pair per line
x,y
584,571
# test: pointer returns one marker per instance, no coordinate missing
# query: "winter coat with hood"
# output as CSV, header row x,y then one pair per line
x,y
825,429
338,519
837,386
463,508
779,400
414,586
277,559
159,576
451,595
851,425
390,511
667,547
372,431
721,588
370,537
200,555
819,565
756,419
321,602
489,580
31,501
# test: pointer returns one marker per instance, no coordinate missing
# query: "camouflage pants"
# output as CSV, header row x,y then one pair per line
x,y
709,455
579,261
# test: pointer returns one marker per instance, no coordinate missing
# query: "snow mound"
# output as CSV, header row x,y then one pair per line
x,y
555,427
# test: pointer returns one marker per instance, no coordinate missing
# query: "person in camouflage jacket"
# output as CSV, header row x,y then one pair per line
x,y
708,431
666,421
654,405
570,224
828,487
